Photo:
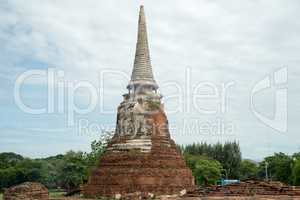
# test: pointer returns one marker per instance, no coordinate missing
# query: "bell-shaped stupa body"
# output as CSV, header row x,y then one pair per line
x,y
141,156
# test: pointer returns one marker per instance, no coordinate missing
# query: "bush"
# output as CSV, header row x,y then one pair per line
x,y
153,105
248,170
205,170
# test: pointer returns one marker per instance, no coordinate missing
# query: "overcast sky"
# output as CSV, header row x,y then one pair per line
x,y
197,47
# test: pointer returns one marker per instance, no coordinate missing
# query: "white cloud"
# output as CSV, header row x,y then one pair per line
x,y
219,41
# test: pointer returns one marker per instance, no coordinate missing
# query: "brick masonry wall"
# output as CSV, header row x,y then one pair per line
x,y
27,191
162,170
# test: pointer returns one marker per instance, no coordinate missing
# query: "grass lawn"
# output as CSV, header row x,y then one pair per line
x,y
1,196
54,194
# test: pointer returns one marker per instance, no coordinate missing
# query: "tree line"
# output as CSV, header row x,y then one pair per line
x,y
208,162
66,171
212,162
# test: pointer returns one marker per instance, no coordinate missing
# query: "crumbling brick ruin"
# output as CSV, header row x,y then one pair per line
x,y
141,156
247,188
27,191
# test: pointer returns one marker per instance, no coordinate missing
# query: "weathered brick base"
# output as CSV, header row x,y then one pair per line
x,y
160,171
27,191
128,173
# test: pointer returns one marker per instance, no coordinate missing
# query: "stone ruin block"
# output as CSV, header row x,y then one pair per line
x,y
27,191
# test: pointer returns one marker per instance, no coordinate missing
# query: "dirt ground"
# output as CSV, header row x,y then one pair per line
x,y
210,198
245,198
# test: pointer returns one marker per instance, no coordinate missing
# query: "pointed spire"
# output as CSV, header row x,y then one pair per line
x,y
142,70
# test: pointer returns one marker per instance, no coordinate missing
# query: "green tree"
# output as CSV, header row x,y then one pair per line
x,y
9,160
73,170
21,171
296,156
248,170
279,167
228,154
31,169
296,172
50,171
98,148
205,170
232,159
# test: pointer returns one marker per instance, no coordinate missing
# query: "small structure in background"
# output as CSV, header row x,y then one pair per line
x,y
28,191
228,181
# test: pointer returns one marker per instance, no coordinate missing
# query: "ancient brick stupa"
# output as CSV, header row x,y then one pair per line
x,y
141,156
